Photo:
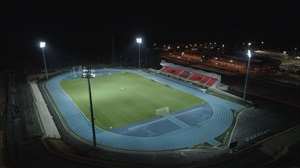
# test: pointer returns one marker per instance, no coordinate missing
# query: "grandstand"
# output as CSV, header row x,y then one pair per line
x,y
188,74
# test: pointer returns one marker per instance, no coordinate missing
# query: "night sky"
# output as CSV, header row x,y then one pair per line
x,y
84,28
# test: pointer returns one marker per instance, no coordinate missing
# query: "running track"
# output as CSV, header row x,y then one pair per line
x,y
185,135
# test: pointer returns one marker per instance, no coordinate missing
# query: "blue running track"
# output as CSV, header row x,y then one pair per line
x,y
179,130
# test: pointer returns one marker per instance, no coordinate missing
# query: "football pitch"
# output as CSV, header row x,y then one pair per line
x,y
125,98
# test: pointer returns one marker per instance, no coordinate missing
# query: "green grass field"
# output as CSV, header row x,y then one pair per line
x,y
137,101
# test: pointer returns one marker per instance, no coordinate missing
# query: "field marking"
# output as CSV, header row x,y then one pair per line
x,y
176,121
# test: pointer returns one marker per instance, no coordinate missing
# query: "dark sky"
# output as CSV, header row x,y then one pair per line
x,y
84,28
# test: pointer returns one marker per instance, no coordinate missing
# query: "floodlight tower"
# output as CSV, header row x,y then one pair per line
x,y
249,56
90,73
139,41
43,45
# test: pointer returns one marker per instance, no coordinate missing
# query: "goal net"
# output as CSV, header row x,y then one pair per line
x,y
162,111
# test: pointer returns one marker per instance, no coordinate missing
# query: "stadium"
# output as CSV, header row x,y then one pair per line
x,y
142,116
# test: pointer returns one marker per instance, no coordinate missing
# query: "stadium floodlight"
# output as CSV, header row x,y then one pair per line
x,y
43,45
249,56
89,72
139,41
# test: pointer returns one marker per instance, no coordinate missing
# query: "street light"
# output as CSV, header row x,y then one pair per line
x,y
223,48
139,41
249,56
43,45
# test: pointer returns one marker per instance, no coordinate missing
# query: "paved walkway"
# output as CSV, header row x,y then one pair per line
x,y
48,125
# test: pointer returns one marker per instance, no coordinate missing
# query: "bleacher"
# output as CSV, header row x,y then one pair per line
x,y
211,81
205,79
171,70
175,71
189,74
164,69
196,77
184,74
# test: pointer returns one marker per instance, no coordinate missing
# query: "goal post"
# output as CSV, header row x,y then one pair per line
x,y
162,111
